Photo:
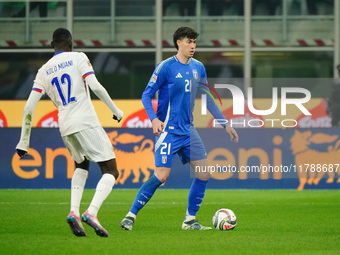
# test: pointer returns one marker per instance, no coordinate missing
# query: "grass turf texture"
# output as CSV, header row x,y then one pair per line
x,y
269,222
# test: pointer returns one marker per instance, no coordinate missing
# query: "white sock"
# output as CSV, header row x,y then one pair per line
x,y
77,187
130,214
104,188
189,217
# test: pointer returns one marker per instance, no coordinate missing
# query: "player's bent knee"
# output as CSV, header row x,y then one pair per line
x,y
109,167
162,178
203,176
115,173
83,165
162,174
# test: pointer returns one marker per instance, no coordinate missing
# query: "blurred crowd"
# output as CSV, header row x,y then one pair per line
x,y
171,7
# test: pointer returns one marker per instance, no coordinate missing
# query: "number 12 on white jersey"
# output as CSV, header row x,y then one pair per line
x,y
64,80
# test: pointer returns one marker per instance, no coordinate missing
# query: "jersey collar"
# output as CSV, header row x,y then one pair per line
x,y
175,57
58,53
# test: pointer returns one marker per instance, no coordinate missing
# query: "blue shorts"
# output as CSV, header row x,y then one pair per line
x,y
188,147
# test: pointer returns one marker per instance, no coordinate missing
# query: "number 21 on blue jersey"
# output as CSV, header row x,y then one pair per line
x,y
187,85
166,148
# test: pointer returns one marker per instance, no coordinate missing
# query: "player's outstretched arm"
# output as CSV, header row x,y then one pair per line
x,y
231,131
102,94
23,145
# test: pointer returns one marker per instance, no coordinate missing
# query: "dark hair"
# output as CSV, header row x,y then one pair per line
x,y
61,36
183,32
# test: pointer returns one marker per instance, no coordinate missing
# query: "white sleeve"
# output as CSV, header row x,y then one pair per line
x,y
31,103
102,94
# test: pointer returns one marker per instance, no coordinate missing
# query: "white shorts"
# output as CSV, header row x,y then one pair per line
x,y
93,143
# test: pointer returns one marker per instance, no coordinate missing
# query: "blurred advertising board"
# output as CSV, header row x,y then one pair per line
x,y
265,158
135,116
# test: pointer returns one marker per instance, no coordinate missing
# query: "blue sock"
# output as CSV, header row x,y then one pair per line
x,y
145,193
196,195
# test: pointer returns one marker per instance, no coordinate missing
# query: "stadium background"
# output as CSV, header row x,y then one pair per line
x,y
262,44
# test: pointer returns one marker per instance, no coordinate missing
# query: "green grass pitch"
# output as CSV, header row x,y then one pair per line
x,y
269,222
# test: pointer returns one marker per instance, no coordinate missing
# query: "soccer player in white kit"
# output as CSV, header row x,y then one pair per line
x,y
66,79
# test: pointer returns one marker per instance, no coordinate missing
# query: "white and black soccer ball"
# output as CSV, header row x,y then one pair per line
x,y
224,219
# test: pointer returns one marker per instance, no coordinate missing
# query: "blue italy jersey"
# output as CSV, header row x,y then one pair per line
x,y
177,85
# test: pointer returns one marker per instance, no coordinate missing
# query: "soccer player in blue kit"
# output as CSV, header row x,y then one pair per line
x,y
174,79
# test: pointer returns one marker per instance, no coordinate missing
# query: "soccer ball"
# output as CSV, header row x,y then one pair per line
x,y
224,219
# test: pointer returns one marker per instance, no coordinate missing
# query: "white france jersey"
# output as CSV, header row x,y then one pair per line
x,y
62,78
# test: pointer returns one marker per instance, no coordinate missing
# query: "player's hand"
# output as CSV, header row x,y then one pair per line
x,y
157,126
231,131
116,118
118,115
21,153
